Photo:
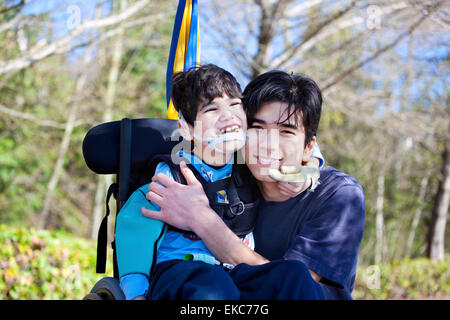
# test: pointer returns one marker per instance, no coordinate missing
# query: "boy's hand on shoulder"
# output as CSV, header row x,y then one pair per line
x,y
293,189
293,180
181,205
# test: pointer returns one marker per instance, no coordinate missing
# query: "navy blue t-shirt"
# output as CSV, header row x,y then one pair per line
x,y
322,228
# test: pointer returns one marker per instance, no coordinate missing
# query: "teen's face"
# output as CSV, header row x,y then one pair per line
x,y
271,144
214,118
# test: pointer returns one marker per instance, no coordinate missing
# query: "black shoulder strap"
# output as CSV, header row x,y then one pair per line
x,y
102,238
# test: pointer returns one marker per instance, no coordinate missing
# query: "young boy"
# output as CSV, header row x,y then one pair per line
x,y
211,116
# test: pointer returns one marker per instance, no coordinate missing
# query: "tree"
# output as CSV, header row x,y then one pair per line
x,y
382,120
49,102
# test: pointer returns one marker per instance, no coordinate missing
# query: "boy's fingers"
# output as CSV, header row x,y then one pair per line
x,y
188,174
292,189
285,193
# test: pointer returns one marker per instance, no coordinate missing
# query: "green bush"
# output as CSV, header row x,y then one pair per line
x,y
418,278
40,264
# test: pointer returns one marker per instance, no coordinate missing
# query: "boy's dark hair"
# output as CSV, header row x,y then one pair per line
x,y
201,85
300,92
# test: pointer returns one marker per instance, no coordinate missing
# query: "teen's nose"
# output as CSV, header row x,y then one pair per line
x,y
269,143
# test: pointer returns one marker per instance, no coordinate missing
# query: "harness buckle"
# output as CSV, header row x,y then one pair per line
x,y
240,209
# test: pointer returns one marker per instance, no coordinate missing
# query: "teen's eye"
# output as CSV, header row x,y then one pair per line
x,y
210,109
287,132
255,126
236,104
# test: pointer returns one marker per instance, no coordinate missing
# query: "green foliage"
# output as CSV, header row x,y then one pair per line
x,y
38,264
46,91
405,279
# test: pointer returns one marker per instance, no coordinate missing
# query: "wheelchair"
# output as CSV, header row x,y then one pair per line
x,y
123,148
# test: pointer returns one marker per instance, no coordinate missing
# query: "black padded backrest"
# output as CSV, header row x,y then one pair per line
x,y
101,145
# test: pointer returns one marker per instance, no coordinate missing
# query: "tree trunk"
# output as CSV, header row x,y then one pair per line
x,y
379,220
417,216
103,181
270,13
436,235
65,142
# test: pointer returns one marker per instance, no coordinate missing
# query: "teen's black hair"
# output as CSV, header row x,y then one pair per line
x,y
300,92
200,85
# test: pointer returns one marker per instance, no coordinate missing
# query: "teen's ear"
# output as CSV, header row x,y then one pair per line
x,y
308,150
184,131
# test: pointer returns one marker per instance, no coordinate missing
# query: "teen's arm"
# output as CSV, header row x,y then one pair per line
x,y
187,207
223,243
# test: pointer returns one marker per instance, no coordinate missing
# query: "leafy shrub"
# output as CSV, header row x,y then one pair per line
x,y
418,278
41,264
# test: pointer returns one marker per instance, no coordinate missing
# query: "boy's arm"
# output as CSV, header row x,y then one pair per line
x,y
134,285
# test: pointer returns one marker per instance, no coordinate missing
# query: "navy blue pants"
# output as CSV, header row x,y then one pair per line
x,y
195,280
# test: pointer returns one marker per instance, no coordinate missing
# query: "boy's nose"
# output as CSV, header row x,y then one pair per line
x,y
226,114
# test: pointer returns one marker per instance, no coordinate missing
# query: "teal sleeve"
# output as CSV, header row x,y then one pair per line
x,y
317,154
134,285
136,235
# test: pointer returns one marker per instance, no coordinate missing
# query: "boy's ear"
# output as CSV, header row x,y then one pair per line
x,y
308,150
185,133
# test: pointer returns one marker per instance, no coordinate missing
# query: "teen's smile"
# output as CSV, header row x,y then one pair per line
x,y
268,161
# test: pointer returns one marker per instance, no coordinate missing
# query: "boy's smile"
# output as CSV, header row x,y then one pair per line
x,y
219,130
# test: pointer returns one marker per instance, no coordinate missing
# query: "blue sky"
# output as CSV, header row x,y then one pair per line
x,y
63,11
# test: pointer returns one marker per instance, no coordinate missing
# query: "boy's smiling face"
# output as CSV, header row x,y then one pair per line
x,y
218,129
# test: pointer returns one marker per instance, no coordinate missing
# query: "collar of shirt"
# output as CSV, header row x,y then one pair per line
x,y
209,173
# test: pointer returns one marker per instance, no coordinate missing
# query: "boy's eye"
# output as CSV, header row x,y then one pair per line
x,y
255,126
287,132
210,109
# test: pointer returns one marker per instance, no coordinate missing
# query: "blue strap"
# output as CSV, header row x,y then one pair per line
x,y
103,233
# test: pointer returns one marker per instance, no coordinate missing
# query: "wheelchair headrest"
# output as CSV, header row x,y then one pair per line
x,y
101,145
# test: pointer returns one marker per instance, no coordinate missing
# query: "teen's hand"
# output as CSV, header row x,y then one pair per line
x,y
182,206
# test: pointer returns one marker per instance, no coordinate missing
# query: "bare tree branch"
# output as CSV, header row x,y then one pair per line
x,y
37,52
34,119
265,37
14,7
382,50
287,55
10,23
